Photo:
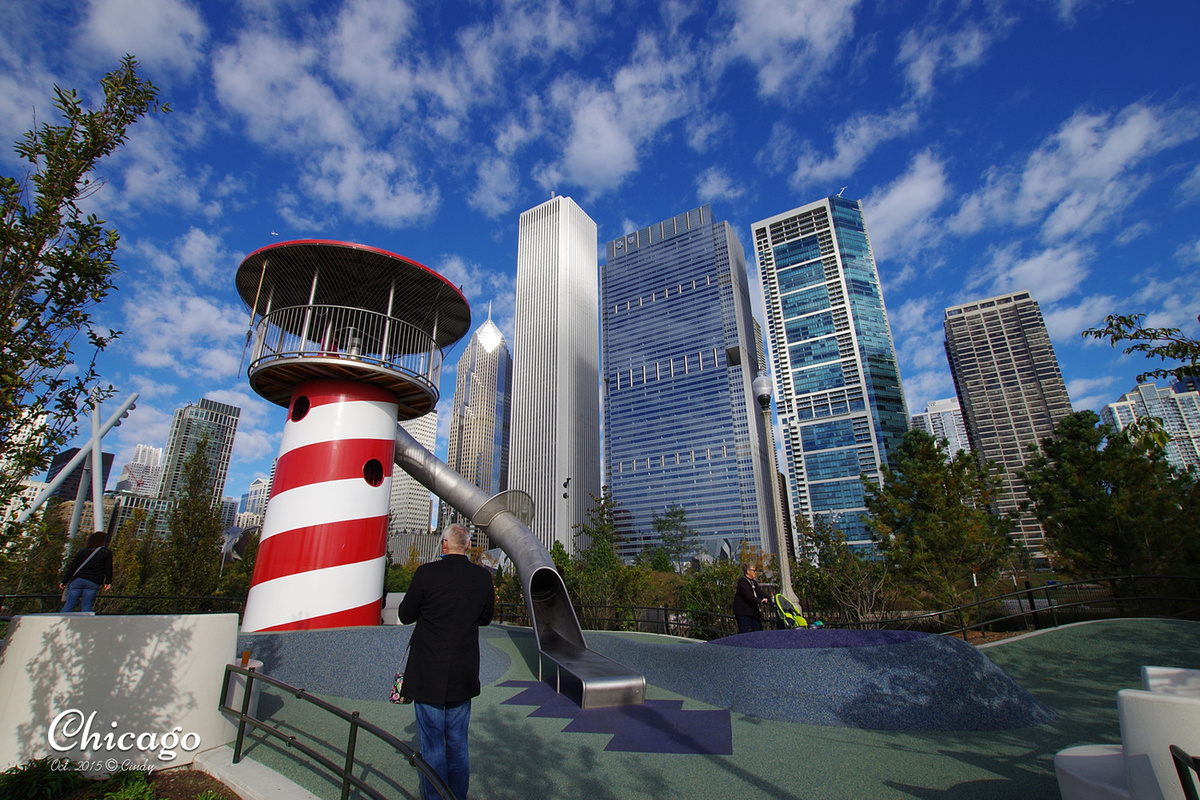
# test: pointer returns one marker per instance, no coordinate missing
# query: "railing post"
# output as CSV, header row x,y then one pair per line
x,y
350,746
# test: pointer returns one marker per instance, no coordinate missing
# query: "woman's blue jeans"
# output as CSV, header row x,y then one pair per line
x,y
443,734
80,588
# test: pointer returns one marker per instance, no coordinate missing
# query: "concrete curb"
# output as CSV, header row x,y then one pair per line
x,y
248,778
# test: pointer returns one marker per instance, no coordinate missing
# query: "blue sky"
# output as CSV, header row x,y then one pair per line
x,y
1052,146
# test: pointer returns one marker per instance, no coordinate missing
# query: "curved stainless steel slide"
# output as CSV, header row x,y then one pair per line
x,y
588,678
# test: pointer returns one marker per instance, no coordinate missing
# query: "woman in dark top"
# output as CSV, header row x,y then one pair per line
x,y
748,601
88,571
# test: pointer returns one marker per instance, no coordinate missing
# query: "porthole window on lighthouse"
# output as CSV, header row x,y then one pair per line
x,y
300,408
373,472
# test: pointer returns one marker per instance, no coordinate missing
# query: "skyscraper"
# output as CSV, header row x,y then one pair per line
x,y
681,424
554,454
67,489
217,421
482,412
1010,388
142,475
943,419
839,396
1178,410
410,505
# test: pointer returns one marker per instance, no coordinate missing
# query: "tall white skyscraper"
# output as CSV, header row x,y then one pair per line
x,y
554,454
943,419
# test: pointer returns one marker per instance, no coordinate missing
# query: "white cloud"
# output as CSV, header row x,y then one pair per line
x,y
1067,323
715,184
163,34
792,45
370,184
1081,177
901,214
1093,393
1189,253
930,51
1049,275
609,123
1189,187
854,141
168,326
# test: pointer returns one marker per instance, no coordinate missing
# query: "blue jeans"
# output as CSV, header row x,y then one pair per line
x,y
748,624
80,587
443,735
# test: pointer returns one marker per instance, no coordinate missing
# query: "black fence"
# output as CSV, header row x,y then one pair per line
x,y
246,717
1027,609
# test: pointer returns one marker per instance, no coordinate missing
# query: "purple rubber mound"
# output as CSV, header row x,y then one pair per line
x,y
656,726
817,637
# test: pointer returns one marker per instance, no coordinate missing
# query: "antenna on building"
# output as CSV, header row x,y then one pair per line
x,y
844,188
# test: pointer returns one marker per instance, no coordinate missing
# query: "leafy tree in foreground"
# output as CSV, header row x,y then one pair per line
x,y
192,556
1167,344
931,521
1112,505
841,584
676,538
55,265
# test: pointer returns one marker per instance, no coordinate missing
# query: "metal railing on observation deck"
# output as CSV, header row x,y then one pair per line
x,y
349,334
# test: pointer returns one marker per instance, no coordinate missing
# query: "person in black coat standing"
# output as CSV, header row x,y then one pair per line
x,y
748,601
449,600
90,571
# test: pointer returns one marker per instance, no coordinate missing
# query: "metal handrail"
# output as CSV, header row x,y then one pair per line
x,y
345,770
347,333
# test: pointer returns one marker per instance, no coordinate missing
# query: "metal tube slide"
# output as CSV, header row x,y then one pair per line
x,y
591,680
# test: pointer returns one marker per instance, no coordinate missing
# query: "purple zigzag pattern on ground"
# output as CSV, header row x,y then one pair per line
x,y
656,726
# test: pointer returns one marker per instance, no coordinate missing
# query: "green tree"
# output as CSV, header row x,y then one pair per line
x,y
37,557
55,265
676,539
192,556
931,522
1113,505
840,584
1166,344
237,575
127,549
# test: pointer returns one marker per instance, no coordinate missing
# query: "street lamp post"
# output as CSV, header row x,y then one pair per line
x,y
762,392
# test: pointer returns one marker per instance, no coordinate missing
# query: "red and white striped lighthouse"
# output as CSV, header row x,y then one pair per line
x,y
350,340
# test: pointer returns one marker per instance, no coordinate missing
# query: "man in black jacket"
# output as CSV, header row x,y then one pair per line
x,y
449,600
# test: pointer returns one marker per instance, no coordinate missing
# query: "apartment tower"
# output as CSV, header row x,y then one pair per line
x,y
191,424
943,419
840,402
555,447
1011,391
679,354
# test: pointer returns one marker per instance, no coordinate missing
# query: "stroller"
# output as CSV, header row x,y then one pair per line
x,y
789,614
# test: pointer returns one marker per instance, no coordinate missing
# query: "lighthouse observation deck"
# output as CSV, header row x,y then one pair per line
x,y
341,311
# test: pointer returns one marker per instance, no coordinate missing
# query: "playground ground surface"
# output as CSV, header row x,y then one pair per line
x,y
692,741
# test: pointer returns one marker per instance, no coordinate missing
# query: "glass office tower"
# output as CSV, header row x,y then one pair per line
x,y
838,388
681,425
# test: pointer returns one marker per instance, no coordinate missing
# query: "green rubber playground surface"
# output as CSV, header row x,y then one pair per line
x,y
1074,670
